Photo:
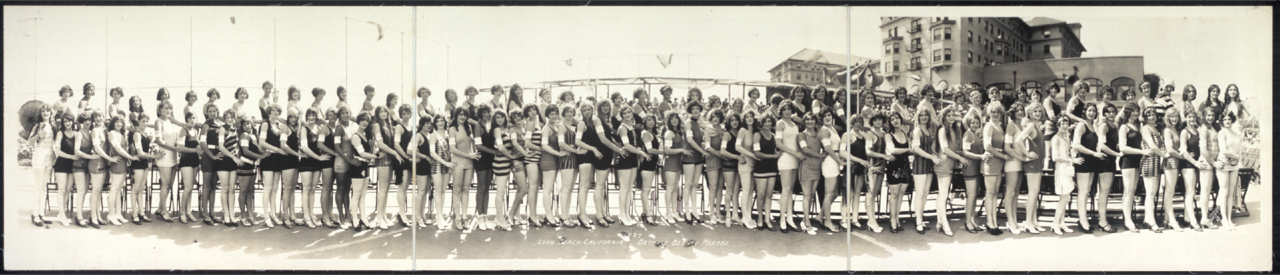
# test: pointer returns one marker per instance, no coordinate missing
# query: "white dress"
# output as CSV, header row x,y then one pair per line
x,y
42,151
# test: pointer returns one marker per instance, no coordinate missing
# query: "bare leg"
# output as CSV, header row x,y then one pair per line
x,y
1104,194
1033,201
992,183
289,181
1129,177
1011,186
1084,183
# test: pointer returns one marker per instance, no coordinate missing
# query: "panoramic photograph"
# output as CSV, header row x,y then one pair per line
x,y
656,138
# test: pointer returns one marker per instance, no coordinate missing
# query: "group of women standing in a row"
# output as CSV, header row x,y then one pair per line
x,y
736,151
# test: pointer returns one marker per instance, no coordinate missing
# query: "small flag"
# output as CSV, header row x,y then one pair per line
x,y
233,20
916,77
569,62
665,61
379,29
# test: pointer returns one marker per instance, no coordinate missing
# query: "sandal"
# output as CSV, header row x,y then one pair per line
x,y
1106,227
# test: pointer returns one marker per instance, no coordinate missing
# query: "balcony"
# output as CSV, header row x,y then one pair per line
x,y
914,48
914,29
913,67
894,38
942,65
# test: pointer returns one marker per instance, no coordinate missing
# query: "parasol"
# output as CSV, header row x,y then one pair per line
x,y
29,116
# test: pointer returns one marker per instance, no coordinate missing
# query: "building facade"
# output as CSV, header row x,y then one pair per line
x,y
994,51
812,68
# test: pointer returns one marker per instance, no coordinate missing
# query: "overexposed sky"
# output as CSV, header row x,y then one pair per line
x,y
185,48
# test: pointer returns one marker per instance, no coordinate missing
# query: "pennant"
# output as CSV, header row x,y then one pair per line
x,y
379,29
569,62
916,77
665,61
816,56
233,20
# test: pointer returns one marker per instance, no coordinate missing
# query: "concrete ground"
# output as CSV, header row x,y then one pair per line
x,y
164,246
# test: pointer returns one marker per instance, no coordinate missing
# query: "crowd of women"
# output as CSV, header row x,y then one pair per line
x,y
724,157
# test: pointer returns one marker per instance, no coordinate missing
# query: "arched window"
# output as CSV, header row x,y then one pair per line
x,y
1031,85
1122,85
1095,86
1002,86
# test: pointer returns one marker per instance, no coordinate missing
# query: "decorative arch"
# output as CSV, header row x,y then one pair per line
x,y
1001,85
1122,85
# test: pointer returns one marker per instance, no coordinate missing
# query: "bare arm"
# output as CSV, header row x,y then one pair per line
x,y
1071,105
1169,143
303,147
1146,137
1125,147
80,139
986,143
782,146
114,141
1075,141
744,139
546,142
56,151
917,150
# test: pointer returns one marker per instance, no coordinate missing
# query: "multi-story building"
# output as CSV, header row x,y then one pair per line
x,y
995,51
811,67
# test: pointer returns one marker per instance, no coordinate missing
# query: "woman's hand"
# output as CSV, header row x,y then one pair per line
x,y
986,157
1032,156
965,162
1077,160
889,157
325,157
597,153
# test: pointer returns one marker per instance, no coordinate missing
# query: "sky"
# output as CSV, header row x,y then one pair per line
x,y
196,48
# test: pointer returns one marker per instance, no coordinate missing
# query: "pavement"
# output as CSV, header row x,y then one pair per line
x,y
167,246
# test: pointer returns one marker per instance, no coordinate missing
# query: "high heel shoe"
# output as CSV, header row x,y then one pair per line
x,y
994,230
920,228
288,223
146,218
1106,228
970,229
1013,228
1084,227
604,222
1154,228
648,220
1031,228
1174,225
310,224
946,231
36,220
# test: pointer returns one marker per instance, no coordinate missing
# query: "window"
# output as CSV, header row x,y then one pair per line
x,y
983,42
888,49
1046,49
946,55
1001,35
895,47
999,49
946,33
1122,85
915,63
970,37
969,57
937,34
937,55
797,77
1046,33
979,58
895,66
970,19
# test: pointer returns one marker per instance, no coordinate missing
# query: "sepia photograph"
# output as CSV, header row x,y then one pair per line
x,y
638,138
